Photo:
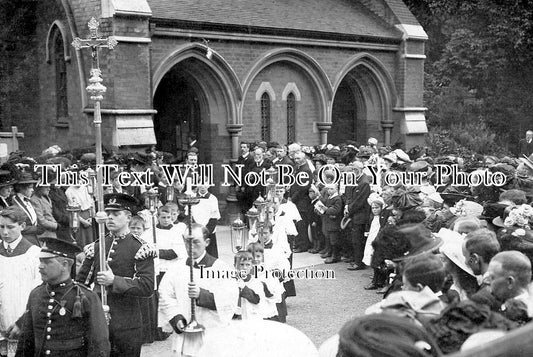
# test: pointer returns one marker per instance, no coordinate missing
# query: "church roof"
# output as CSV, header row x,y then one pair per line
x,y
346,17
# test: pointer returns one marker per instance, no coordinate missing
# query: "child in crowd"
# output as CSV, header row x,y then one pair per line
x,y
378,220
175,212
169,241
138,227
251,292
274,307
331,213
423,277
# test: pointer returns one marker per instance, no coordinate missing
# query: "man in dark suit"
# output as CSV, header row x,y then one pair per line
x,y
299,194
130,275
525,146
251,193
246,157
331,222
281,157
357,208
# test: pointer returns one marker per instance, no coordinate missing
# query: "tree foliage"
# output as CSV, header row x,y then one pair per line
x,y
479,64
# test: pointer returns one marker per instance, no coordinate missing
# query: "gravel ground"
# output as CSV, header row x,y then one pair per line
x,y
320,308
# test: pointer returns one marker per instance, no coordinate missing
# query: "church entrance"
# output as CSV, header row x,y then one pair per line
x,y
361,103
181,108
345,118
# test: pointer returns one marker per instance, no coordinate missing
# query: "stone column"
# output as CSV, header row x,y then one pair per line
x,y
234,131
323,128
387,126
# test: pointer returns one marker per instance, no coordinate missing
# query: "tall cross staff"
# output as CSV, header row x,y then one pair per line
x,y
96,91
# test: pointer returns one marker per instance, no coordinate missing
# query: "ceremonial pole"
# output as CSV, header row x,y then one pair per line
x,y
96,91
194,331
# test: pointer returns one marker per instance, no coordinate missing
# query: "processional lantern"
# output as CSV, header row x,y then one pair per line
x,y
153,199
92,187
73,216
271,184
169,193
238,237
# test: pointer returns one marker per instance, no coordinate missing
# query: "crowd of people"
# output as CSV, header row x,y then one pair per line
x,y
452,259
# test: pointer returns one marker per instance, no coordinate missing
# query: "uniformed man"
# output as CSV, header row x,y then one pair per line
x,y
63,318
129,277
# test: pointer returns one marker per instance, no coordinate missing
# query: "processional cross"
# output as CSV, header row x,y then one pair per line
x,y
96,90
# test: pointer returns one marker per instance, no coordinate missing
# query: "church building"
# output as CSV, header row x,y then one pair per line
x,y
308,71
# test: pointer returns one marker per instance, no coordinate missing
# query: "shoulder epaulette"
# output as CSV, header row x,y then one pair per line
x,y
81,285
146,251
88,250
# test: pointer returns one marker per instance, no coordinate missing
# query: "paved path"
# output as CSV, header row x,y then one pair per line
x,y
321,306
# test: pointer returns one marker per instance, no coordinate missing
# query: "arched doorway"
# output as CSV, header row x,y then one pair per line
x,y
198,95
363,98
181,109
348,114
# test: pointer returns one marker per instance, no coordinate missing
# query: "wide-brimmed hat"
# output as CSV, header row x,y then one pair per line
x,y
391,157
418,166
452,248
26,178
526,161
402,155
6,178
365,151
452,195
467,208
421,240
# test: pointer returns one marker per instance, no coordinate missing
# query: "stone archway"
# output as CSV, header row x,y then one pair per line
x,y
364,95
195,94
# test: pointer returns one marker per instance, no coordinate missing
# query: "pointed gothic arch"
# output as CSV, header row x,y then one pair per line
x,y
373,92
306,63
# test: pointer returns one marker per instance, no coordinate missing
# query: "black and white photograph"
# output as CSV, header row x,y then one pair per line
x,y
249,178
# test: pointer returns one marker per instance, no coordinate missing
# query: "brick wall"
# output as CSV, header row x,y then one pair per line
x,y
128,71
307,109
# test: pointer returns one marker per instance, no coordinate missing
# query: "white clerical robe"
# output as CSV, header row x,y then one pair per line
x,y
19,275
206,209
174,298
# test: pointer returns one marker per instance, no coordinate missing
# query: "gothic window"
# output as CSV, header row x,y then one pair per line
x,y
265,117
61,78
291,118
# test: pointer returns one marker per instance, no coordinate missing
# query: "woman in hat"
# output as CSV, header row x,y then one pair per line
x,y
6,188
43,208
79,196
24,189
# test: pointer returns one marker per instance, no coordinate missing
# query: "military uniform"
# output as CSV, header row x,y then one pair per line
x,y
50,327
131,261
62,317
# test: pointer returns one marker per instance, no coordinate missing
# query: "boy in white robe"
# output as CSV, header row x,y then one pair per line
x,y
19,268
